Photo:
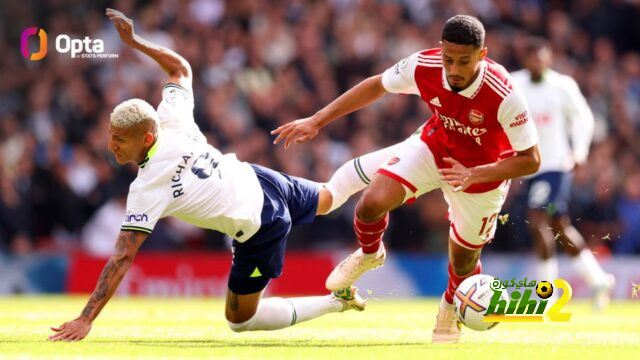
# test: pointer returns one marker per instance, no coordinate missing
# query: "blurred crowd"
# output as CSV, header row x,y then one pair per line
x,y
258,64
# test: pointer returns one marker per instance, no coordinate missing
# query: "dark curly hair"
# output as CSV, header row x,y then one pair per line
x,y
465,30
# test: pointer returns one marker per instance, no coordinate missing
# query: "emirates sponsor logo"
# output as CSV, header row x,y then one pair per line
x,y
454,125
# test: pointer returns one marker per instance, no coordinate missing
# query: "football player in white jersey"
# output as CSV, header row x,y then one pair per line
x,y
181,175
565,126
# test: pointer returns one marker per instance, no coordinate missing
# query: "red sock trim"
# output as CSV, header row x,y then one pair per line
x,y
455,280
369,235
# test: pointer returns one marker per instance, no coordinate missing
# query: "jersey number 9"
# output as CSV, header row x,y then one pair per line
x,y
204,166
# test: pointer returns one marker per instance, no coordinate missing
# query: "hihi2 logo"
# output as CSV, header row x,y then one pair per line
x,y
24,43
522,303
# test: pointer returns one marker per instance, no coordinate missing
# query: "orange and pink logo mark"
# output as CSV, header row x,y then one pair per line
x,y
24,43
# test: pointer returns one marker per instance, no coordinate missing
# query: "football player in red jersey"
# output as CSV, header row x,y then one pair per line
x,y
479,136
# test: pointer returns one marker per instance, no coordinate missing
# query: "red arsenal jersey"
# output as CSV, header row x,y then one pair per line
x,y
481,124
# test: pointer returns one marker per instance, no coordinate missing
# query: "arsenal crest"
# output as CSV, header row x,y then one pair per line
x,y
475,117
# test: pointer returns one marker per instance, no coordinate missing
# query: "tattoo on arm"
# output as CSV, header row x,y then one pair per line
x,y
122,239
88,309
110,277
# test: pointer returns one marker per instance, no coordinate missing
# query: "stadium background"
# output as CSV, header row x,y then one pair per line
x,y
258,64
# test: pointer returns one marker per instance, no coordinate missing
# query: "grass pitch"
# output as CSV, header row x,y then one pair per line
x,y
388,329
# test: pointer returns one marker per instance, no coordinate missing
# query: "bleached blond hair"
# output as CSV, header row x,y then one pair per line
x,y
132,112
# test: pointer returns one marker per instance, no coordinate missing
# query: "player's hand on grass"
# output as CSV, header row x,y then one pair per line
x,y
123,24
297,131
458,176
74,330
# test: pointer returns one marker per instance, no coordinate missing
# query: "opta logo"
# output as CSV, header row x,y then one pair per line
x,y
86,48
24,43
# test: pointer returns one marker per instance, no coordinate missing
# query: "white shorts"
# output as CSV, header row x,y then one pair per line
x,y
473,217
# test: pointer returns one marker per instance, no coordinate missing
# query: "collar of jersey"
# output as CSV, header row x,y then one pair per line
x,y
471,90
151,152
543,78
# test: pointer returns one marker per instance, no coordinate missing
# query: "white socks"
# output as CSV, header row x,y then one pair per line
x,y
277,313
547,269
356,174
587,266
584,263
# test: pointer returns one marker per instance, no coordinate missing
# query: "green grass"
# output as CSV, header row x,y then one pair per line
x,y
388,329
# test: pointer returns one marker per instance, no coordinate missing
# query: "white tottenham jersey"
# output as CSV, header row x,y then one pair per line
x,y
562,117
185,177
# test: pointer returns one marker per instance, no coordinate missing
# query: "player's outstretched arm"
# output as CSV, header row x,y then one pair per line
x,y
127,246
175,65
359,96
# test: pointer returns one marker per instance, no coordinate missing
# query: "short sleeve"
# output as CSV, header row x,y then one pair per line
x,y
175,111
176,105
400,78
517,122
143,210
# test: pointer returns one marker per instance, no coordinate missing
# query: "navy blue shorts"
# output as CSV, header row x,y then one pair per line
x,y
288,201
549,191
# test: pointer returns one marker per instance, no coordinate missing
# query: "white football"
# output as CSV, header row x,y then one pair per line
x,y
471,300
